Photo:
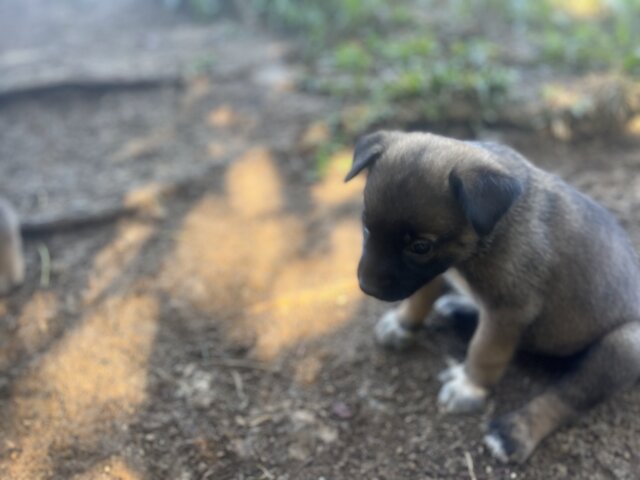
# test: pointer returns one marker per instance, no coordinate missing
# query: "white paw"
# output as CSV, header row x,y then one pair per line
x,y
391,334
459,394
496,446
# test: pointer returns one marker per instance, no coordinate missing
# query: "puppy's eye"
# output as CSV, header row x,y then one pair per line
x,y
421,247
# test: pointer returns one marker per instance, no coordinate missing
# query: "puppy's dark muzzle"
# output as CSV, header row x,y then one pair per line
x,y
386,291
380,278
370,289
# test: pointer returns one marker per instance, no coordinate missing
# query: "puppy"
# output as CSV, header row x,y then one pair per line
x,y
11,255
548,270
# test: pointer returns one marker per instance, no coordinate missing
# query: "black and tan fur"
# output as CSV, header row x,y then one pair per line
x,y
11,254
548,269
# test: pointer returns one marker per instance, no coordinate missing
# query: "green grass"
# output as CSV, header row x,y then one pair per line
x,y
416,60
396,33
370,50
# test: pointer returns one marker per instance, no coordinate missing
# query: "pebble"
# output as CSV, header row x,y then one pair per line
x,y
341,410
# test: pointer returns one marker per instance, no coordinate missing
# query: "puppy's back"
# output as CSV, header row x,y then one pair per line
x,y
583,265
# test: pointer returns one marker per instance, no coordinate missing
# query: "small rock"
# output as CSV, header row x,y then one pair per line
x,y
303,417
561,471
341,410
299,452
327,434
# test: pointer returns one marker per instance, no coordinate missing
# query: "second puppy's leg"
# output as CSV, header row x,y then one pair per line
x,y
397,329
11,254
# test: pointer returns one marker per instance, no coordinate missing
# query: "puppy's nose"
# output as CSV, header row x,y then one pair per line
x,y
374,289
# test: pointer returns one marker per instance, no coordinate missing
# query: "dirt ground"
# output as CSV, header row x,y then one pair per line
x,y
219,333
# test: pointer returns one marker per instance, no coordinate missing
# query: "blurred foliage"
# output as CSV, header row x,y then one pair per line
x,y
572,35
433,60
366,35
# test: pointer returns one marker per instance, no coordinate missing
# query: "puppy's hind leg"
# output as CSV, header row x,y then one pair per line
x,y
610,365
398,328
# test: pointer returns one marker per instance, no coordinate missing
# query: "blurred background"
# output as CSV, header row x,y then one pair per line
x,y
191,309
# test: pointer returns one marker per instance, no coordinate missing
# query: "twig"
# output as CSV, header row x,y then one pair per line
x,y
472,473
237,380
164,376
266,473
235,363
304,465
45,262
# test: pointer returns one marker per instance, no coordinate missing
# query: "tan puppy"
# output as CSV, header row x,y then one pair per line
x,y
548,270
11,256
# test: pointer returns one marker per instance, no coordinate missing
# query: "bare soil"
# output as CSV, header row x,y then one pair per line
x,y
219,333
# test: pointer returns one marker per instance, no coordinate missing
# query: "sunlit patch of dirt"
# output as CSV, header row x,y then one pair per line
x,y
243,253
87,385
229,249
633,127
147,199
223,117
33,324
312,296
308,368
253,185
114,258
332,191
32,329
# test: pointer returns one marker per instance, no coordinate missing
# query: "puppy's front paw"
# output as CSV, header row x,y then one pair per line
x,y
391,334
509,440
459,394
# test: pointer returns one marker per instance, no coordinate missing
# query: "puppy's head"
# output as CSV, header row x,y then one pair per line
x,y
427,203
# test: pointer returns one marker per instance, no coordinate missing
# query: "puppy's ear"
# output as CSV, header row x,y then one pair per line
x,y
484,194
368,150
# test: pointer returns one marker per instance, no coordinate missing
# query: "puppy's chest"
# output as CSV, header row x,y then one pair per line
x,y
458,280
548,332
484,291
